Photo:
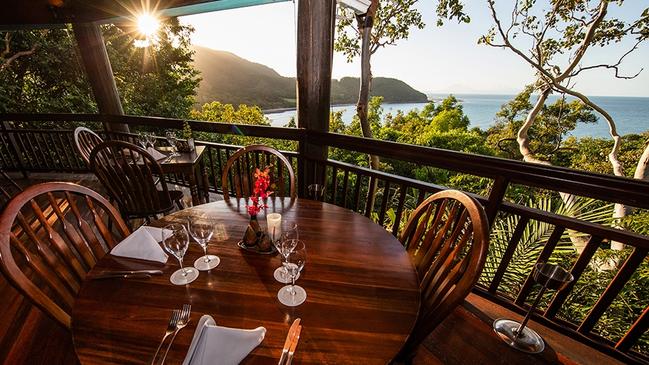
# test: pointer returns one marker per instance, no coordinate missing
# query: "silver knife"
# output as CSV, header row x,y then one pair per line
x,y
289,340
122,276
129,272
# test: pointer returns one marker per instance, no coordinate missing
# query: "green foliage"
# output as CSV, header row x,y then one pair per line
x,y
158,81
546,135
187,131
52,79
243,114
392,22
535,236
591,154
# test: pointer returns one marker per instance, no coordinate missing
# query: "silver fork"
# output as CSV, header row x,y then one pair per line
x,y
171,327
182,322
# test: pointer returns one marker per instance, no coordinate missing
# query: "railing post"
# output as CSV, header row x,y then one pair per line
x,y
496,196
14,147
315,37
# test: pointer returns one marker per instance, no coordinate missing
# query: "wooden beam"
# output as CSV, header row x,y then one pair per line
x,y
315,37
99,72
26,14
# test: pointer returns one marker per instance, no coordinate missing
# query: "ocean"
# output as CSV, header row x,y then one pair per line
x,y
631,114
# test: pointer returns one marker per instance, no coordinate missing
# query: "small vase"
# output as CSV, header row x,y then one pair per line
x,y
191,144
250,237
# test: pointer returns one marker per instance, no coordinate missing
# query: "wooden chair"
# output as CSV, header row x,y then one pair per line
x,y
240,169
51,235
86,140
130,174
447,237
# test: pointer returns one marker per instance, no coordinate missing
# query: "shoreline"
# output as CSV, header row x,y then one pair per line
x,y
282,110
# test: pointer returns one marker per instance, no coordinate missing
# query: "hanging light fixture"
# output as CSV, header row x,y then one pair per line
x,y
358,6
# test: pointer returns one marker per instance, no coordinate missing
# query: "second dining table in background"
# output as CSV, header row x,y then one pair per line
x,y
190,165
362,293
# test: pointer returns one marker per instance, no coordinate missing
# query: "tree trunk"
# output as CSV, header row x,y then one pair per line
x,y
365,24
619,210
641,171
524,147
365,27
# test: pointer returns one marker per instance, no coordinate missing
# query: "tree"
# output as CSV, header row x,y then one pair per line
x,y
52,78
546,135
558,41
48,77
384,23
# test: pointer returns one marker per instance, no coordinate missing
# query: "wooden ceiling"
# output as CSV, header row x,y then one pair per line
x,y
18,14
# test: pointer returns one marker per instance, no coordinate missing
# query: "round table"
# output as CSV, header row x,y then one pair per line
x,y
362,303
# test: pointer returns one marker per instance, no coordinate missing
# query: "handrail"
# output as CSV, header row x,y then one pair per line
x,y
352,186
605,187
600,186
294,134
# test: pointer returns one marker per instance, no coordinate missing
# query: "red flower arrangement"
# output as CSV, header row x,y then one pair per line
x,y
260,191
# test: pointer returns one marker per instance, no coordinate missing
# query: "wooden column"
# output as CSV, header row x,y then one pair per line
x,y
315,37
99,72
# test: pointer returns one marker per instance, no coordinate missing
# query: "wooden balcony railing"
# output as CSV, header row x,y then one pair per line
x,y
44,143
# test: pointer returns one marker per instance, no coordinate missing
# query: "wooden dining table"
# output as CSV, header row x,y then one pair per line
x,y
362,292
190,165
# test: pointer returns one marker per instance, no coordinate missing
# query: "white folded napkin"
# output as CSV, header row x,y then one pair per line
x,y
155,232
216,345
140,245
157,155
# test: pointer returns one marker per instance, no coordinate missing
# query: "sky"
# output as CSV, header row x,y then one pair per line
x,y
433,60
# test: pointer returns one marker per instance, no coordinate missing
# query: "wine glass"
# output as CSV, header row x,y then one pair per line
x,y
293,295
285,245
176,241
517,335
201,230
172,140
142,140
315,191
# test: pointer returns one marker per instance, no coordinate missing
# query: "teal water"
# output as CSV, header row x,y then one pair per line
x,y
631,114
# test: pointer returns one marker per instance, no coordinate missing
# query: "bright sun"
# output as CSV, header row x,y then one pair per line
x,y
147,24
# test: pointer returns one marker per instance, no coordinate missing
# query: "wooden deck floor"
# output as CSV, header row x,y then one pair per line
x,y
27,336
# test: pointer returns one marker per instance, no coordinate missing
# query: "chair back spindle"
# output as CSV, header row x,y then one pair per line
x,y
51,235
130,174
447,238
240,170
86,140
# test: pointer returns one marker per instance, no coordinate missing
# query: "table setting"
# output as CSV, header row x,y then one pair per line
x,y
190,259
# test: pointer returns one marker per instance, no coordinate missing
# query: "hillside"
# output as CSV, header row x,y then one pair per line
x,y
231,79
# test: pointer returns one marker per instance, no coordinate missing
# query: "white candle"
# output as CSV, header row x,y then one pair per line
x,y
274,223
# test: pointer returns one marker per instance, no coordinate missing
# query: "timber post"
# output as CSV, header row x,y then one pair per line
x,y
315,39
100,73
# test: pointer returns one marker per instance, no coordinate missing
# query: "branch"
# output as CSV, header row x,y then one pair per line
x,y
9,60
7,43
590,33
614,66
508,44
522,138
617,140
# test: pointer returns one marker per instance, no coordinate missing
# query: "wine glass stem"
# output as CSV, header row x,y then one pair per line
x,y
180,261
521,327
207,258
293,285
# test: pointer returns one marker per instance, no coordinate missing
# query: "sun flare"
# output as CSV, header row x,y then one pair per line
x,y
147,24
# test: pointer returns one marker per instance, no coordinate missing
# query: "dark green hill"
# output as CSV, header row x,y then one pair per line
x,y
231,79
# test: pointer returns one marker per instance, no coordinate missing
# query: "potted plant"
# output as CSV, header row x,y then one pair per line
x,y
188,145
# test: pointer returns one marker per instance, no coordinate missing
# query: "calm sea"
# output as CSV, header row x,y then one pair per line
x,y
631,114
